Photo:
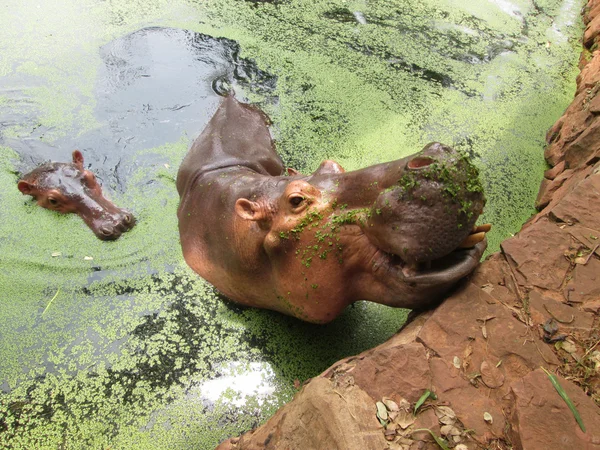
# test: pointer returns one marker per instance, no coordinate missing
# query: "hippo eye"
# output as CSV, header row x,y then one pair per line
x,y
53,201
296,200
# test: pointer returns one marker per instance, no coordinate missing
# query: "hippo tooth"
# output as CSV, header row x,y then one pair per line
x,y
472,239
479,228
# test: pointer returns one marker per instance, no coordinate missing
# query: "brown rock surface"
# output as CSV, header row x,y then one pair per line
x,y
534,409
534,304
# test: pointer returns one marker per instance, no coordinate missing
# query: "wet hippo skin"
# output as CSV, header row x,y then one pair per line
x,y
309,246
70,188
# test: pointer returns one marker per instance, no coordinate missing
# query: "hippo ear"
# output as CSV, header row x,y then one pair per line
x,y
249,210
330,166
78,159
26,187
292,172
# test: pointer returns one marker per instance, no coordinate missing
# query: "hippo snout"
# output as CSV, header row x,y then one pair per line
x,y
111,228
431,207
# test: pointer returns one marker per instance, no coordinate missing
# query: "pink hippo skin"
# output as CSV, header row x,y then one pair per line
x,y
69,188
309,246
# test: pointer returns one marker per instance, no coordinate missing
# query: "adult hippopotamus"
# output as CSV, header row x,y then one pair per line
x,y
309,246
70,188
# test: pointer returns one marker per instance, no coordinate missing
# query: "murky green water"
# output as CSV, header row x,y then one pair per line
x,y
130,349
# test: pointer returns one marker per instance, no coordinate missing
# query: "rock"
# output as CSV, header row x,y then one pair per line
x,y
541,418
581,205
537,254
320,416
551,174
584,287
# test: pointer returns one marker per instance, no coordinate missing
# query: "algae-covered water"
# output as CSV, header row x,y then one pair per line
x,y
118,344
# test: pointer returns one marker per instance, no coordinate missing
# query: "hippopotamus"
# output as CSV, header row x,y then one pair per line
x,y
70,188
310,245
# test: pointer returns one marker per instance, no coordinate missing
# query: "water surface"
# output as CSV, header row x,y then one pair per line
x,y
118,344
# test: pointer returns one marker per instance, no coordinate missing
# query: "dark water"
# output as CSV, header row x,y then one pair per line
x,y
154,86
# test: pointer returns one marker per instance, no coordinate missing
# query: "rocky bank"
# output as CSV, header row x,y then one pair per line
x,y
530,308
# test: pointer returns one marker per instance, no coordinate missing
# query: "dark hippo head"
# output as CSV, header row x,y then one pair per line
x,y
398,233
70,188
431,207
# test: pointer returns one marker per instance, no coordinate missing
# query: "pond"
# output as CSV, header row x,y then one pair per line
x,y
119,344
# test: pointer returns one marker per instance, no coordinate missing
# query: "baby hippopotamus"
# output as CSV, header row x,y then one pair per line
x,y
310,245
70,188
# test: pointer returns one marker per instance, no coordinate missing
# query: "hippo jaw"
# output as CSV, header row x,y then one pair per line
x,y
430,210
418,227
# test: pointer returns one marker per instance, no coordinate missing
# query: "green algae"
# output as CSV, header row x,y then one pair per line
x,y
113,359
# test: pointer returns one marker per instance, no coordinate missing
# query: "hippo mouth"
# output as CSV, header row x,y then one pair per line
x,y
456,264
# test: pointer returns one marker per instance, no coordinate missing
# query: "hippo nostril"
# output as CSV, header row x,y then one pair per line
x,y
106,230
128,219
419,162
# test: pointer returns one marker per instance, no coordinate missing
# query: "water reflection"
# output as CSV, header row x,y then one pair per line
x,y
235,383
154,86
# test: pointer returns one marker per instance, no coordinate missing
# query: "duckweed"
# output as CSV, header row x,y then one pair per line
x,y
122,356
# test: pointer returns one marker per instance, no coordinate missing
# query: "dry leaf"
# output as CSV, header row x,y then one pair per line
x,y
449,430
55,254
484,331
404,404
441,411
390,404
569,346
405,419
491,375
382,413
488,417
456,362
391,426
88,258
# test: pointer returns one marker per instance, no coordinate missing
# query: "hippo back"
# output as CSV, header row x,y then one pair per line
x,y
237,135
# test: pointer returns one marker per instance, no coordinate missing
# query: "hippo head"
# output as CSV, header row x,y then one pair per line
x,y
70,188
393,233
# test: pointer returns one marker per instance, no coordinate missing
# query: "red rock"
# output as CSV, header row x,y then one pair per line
x,y
585,284
548,188
591,31
320,416
542,420
571,319
378,375
457,325
593,306
585,148
551,174
582,205
594,105
537,255
573,181
589,75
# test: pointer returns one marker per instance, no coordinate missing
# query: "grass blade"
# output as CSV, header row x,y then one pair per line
x,y
566,398
422,399
439,441
48,306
